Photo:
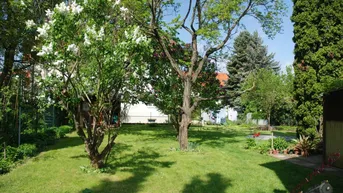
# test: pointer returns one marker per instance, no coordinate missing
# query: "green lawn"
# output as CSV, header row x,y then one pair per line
x,y
146,159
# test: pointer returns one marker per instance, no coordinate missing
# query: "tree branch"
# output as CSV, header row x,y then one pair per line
x,y
185,18
154,27
221,45
199,99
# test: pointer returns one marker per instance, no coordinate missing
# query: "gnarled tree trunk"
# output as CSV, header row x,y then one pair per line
x,y
93,137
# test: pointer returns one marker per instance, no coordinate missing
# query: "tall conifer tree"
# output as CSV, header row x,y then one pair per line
x,y
249,54
318,32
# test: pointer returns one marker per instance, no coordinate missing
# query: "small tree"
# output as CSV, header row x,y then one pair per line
x,y
92,64
268,92
165,90
214,22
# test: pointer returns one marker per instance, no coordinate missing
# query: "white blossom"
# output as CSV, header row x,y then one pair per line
x,y
87,41
123,9
43,31
45,50
22,3
139,39
91,30
62,8
101,34
136,32
58,62
73,48
49,13
117,2
30,23
75,8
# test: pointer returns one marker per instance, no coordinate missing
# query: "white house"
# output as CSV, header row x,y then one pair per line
x,y
141,113
221,116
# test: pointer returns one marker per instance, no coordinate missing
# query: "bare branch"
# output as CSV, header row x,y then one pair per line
x,y
185,18
193,15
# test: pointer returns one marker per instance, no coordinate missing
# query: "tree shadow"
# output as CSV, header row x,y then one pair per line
x,y
116,149
280,191
139,164
65,143
292,175
216,183
214,138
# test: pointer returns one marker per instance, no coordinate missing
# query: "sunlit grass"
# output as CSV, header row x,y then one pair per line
x,y
146,159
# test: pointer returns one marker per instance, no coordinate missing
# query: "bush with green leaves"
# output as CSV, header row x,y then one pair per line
x,y
264,148
27,150
65,129
5,166
280,143
251,143
12,154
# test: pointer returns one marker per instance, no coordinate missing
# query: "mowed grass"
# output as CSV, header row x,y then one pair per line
x,y
146,159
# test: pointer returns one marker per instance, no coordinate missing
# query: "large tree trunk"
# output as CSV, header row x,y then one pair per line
x,y
175,121
8,65
186,114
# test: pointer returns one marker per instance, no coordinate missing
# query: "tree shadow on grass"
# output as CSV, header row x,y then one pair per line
x,y
216,183
214,138
65,143
292,175
140,164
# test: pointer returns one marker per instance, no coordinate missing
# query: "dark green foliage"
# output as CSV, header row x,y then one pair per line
x,y
283,113
251,143
249,54
318,31
12,154
280,143
5,166
45,137
27,150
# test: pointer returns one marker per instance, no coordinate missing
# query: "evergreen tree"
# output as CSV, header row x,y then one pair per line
x,y
318,32
249,54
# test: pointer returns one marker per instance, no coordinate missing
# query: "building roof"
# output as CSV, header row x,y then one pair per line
x,y
223,78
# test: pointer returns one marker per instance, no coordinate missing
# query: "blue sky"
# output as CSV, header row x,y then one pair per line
x,y
282,44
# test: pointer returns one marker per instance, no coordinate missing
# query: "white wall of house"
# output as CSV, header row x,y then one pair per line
x,y
140,113
221,116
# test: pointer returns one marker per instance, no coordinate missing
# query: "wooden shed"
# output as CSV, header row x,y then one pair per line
x,y
333,125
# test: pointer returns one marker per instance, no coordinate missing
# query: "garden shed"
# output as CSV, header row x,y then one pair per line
x,y
333,125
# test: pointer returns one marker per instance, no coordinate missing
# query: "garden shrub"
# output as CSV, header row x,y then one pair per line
x,y
280,143
251,143
264,148
12,154
27,150
65,129
51,135
5,166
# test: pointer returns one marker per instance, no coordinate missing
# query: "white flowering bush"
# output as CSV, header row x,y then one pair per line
x,y
92,58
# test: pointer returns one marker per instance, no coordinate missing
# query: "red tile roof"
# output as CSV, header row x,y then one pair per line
x,y
222,77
